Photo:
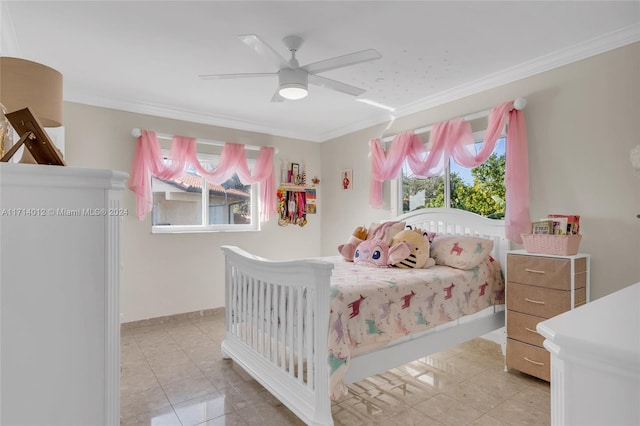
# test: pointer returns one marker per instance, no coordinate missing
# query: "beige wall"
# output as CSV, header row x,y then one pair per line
x,y
165,274
582,121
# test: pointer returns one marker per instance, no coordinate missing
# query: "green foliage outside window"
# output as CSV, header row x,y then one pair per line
x,y
485,196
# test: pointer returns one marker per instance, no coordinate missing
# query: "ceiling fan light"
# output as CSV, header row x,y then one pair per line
x,y
293,83
293,91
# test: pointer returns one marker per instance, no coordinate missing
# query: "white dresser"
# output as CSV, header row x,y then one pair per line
x,y
595,361
59,290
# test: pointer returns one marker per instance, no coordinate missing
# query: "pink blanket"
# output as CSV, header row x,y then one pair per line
x,y
371,307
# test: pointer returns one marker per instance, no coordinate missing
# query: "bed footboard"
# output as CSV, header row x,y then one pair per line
x,y
277,318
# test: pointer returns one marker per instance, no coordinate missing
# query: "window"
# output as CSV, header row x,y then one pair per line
x,y
479,190
188,203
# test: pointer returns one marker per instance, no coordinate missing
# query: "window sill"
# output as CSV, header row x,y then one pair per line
x,y
202,229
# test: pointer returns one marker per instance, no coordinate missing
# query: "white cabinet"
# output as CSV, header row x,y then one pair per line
x,y
595,361
59,290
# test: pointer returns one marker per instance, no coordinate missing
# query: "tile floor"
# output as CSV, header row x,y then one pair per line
x,y
173,374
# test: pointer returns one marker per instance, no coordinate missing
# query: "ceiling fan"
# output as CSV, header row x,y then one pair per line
x,y
293,78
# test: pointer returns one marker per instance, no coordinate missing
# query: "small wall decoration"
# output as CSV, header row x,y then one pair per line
x,y
292,207
295,174
311,200
346,179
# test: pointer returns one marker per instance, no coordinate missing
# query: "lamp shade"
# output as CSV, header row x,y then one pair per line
x,y
28,84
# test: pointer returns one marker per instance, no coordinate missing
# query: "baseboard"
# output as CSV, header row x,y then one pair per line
x,y
170,319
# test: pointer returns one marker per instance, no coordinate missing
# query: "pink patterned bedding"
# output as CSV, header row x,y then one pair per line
x,y
371,307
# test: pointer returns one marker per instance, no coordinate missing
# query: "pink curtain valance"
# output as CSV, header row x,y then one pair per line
x,y
148,161
450,139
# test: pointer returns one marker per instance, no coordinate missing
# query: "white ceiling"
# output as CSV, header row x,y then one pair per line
x,y
146,56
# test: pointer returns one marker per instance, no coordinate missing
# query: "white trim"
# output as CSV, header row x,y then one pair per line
x,y
556,59
595,46
592,47
135,132
255,224
112,311
165,111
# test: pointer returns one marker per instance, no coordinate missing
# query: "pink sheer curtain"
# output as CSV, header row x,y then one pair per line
x,y
449,139
148,161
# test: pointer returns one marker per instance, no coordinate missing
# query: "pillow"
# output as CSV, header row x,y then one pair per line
x,y
460,251
385,230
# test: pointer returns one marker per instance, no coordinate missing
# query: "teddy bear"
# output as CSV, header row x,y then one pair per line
x,y
348,249
419,249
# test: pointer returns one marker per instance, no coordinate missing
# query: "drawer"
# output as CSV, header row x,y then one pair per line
x,y
546,271
522,327
539,301
529,359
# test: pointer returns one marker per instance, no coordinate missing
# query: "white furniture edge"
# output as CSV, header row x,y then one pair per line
x,y
251,282
113,182
589,336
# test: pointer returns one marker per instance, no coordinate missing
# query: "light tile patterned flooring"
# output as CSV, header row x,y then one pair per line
x,y
173,374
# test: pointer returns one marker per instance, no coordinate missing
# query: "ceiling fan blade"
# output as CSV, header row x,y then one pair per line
x,y
335,85
240,75
264,50
276,97
342,61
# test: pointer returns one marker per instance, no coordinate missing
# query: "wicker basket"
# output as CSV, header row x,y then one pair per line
x,y
552,244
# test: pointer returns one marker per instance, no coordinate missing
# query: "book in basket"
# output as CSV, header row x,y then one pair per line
x,y
573,222
543,226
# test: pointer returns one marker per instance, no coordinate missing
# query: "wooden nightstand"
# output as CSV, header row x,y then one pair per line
x,y
540,286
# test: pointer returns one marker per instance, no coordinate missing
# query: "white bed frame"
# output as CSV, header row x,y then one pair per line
x,y
277,319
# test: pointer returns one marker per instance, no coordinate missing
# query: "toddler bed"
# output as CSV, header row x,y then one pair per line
x,y
306,328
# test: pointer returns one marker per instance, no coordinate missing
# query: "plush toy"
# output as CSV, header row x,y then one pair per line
x,y
418,243
377,253
348,249
377,250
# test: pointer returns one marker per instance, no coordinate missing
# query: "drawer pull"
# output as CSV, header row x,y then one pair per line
x,y
537,302
534,271
534,362
528,329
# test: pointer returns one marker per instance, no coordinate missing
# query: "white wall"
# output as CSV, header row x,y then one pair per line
x,y
582,121
166,274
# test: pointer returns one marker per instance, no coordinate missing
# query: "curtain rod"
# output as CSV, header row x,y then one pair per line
x,y
518,104
135,132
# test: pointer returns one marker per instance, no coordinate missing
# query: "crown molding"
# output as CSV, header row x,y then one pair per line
x,y
586,49
164,111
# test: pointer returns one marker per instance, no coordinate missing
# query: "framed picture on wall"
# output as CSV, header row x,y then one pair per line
x,y
346,179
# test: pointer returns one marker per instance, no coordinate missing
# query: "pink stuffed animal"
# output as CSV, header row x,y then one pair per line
x,y
377,253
